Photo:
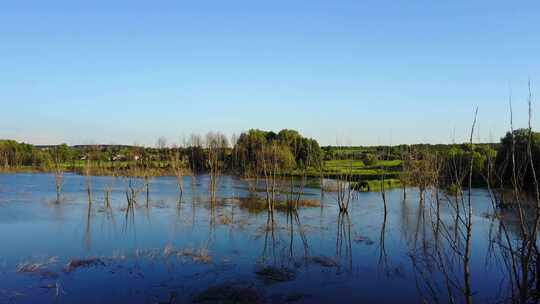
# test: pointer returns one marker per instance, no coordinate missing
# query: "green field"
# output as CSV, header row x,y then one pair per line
x,y
358,168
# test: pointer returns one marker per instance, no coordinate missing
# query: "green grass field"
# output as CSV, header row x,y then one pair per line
x,y
357,167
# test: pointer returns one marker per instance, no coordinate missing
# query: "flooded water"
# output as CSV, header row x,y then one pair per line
x,y
198,251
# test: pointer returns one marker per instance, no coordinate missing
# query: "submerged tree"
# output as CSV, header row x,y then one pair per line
x,y
58,174
179,166
422,170
88,177
518,149
344,188
195,154
274,159
216,143
147,175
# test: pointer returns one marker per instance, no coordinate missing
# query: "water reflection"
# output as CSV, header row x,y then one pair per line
x,y
88,230
431,249
293,219
343,240
270,242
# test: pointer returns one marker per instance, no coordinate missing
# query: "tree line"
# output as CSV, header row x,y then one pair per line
x,y
256,153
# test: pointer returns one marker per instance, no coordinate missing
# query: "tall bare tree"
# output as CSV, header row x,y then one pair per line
x,y
58,174
216,143
179,166
88,176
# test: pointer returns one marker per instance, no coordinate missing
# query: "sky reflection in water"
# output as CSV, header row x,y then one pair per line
x,y
173,252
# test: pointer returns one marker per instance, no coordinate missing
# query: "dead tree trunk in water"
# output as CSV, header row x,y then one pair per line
x,y
468,241
216,143
383,189
266,160
179,168
88,177
404,175
147,176
344,190
58,180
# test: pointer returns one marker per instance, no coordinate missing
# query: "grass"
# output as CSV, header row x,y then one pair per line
x,y
200,255
376,185
338,164
324,261
75,264
276,274
357,168
346,164
259,204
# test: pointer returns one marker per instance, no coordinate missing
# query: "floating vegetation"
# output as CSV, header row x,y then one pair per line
x,y
276,274
38,268
169,250
151,254
75,264
201,255
257,204
225,219
29,267
229,293
324,261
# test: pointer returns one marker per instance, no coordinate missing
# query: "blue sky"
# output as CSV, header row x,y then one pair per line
x,y
351,72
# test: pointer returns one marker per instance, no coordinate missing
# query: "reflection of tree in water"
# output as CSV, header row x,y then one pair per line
x,y
413,221
106,220
131,192
441,256
440,251
383,256
269,239
514,245
88,229
343,240
284,253
292,220
129,217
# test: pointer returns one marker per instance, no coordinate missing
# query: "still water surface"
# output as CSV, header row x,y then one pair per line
x,y
172,253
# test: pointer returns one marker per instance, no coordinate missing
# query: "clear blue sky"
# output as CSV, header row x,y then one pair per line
x,y
356,72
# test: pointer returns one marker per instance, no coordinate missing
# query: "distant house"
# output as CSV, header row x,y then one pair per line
x,y
118,157
136,157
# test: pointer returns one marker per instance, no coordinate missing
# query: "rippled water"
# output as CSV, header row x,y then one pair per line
x,y
172,253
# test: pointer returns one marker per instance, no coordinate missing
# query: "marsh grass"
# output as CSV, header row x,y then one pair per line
x,y
75,264
225,219
197,255
34,267
272,274
324,261
256,204
41,268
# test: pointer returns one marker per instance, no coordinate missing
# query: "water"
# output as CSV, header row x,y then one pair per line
x,y
172,253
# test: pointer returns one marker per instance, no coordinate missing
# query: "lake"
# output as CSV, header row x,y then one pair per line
x,y
203,251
